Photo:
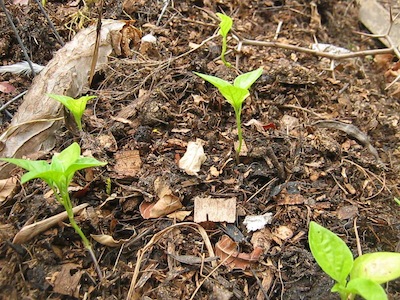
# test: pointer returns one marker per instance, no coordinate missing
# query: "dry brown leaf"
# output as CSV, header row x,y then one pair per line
x,y
226,249
214,209
67,280
179,215
347,212
7,187
167,201
108,240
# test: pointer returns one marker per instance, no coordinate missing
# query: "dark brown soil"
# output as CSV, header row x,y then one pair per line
x,y
314,173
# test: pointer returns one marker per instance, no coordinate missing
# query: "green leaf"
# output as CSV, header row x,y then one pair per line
x,y
366,288
330,252
215,81
75,106
29,165
235,96
83,163
225,25
246,80
379,267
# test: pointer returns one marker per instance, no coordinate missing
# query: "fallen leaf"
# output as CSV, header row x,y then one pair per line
x,y
5,87
67,280
214,209
226,250
7,187
179,215
108,240
347,212
167,201
193,158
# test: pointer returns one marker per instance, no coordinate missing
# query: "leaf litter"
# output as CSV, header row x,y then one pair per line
x,y
150,107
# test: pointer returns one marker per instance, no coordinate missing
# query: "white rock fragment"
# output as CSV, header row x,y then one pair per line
x,y
193,158
254,223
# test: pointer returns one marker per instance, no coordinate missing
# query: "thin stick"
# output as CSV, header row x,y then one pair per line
x,y
359,250
21,44
5,105
58,37
316,52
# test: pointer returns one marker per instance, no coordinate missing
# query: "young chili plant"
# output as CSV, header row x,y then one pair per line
x,y
75,106
361,276
224,27
235,94
58,175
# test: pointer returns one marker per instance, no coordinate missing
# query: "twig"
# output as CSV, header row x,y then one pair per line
x,y
5,105
316,52
21,44
359,250
58,37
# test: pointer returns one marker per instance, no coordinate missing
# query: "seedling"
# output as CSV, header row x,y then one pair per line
x,y
367,272
235,94
75,106
58,175
224,27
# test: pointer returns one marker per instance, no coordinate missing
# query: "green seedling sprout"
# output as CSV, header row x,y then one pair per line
x,y
75,106
361,276
235,94
58,175
224,27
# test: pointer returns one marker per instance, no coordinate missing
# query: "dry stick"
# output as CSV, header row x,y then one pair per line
x,y
357,237
21,44
316,52
208,276
58,37
154,239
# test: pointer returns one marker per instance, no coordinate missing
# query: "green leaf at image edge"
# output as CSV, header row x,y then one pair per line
x,y
330,252
366,288
379,267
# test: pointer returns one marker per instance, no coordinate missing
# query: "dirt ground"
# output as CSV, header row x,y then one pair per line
x,y
150,105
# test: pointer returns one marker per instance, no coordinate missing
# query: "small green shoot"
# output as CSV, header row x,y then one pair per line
x,y
58,175
397,200
75,106
367,272
235,94
224,27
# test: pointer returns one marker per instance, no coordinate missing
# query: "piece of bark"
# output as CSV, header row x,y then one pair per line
x,y
34,126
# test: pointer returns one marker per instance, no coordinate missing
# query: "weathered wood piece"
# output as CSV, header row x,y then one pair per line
x,y
377,19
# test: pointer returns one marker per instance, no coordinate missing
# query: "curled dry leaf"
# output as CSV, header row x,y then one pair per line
x,y
108,240
167,202
7,187
226,249
193,158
